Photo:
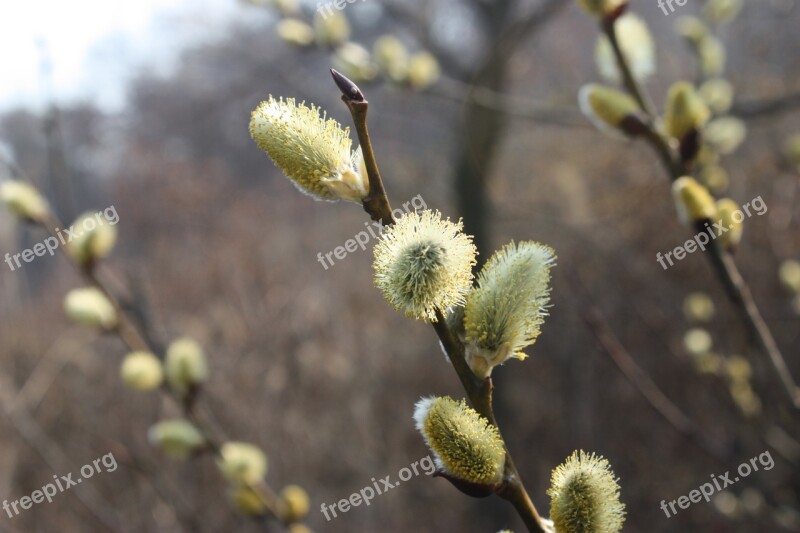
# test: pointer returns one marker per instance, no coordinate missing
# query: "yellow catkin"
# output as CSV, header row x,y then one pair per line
x,y
584,496
464,444
424,263
312,150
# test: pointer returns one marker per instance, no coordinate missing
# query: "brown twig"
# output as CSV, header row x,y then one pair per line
x,y
376,203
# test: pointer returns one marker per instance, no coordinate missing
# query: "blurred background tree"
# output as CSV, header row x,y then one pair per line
x,y
221,248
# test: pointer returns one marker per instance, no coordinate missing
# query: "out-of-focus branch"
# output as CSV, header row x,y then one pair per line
x,y
608,25
135,340
721,259
513,106
611,345
756,109
739,292
130,334
52,454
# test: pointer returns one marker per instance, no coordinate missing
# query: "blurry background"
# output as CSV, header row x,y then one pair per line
x,y
145,106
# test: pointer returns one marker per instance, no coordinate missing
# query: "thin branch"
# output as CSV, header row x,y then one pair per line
x,y
654,137
376,204
665,151
598,325
47,368
608,26
507,104
130,335
739,291
479,392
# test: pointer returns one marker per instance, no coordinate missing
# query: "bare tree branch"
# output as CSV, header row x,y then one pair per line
x,y
510,105
526,26
611,345
755,109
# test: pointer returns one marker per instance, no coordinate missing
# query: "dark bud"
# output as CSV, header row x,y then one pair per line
x,y
349,89
690,146
474,490
612,17
633,125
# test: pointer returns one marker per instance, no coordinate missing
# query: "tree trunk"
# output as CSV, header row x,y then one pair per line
x,y
480,134
479,137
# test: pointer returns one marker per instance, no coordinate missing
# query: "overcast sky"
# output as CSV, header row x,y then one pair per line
x,y
93,46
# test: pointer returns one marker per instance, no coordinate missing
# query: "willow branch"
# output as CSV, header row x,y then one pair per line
x,y
478,391
665,151
130,335
739,292
722,261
